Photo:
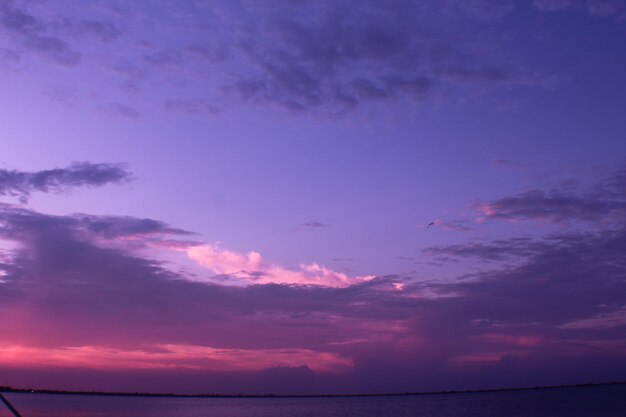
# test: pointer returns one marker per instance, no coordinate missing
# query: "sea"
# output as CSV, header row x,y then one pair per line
x,y
587,401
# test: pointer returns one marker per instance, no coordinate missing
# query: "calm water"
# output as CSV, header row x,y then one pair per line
x,y
599,401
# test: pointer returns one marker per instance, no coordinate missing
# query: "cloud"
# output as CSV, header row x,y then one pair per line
x,y
102,30
598,8
116,227
121,110
10,59
96,304
323,57
605,202
172,357
79,174
450,227
496,250
338,56
488,10
73,301
550,5
31,33
74,294
252,268
164,57
502,162
313,225
580,270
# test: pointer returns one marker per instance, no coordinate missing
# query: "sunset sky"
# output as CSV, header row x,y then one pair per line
x,y
291,196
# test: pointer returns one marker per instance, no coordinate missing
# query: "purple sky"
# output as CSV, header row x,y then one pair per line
x,y
235,196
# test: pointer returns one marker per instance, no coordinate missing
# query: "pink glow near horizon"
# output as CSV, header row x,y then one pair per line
x,y
514,340
477,360
169,356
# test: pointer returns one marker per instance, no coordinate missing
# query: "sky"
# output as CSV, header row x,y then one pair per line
x,y
305,197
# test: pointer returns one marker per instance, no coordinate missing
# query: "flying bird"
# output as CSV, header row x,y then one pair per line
x,y
430,224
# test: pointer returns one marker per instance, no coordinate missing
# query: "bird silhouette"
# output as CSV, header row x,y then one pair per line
x,y
430,224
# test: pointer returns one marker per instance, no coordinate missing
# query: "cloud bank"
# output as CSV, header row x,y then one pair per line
x,y
323,57
80,292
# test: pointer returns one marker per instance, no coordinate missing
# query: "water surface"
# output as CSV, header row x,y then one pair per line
x,y
594,401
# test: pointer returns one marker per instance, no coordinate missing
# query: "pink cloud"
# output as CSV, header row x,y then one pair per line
x,y
486,210
519,341
476,360
251,267
226,262
169,356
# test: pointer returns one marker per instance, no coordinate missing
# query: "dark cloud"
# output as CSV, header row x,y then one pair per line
x,y
599,8
564,278
31,33
604,202
552,205
496,250
46,36
488,10
124,226
324,57
104,31
80,174
550,5
313,224
334,56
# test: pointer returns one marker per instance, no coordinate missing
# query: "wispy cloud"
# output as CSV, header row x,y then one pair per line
x,y
80,174
313,225
170,357
121,110
448,226
338,56
194,107
501,249
323,57
32,34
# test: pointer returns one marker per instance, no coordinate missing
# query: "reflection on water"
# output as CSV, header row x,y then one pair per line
x,y
598,401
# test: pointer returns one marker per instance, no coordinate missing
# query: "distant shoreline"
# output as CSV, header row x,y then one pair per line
x,y
8,389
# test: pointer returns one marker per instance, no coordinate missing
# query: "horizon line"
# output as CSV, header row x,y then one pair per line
x,y
9,389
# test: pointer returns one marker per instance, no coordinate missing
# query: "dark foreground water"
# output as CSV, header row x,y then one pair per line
x,y
595,401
